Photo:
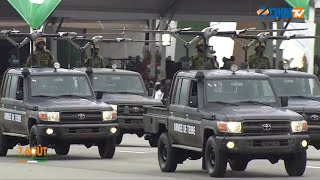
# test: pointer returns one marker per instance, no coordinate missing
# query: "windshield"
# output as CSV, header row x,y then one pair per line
x,y
60,86
239,90
296,86
118,84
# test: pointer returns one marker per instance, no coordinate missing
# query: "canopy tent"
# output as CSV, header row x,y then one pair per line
x,y
117,10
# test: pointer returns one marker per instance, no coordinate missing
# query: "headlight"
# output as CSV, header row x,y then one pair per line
x,y
114,107
49,116
109,115
229,127
299,126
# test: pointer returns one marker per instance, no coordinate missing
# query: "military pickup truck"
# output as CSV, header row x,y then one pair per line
x,y
303,91
126,93
226,117
54,108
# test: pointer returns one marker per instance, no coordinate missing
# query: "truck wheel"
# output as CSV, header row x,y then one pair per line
x,y
3,144
107,148
153,141
216,161
238,165
62,149
166,154
119,139
35,139
295,164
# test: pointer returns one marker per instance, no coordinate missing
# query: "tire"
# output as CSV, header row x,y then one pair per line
x,y
119,139
153,142
166,154
295,164
35,140
3,144
238,164
215,160
107,148
62,150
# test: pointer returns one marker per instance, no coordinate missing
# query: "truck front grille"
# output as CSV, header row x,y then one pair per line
x,y
130,110
313,118
262,127
81,117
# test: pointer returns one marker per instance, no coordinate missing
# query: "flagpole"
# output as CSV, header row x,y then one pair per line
x,y
312,29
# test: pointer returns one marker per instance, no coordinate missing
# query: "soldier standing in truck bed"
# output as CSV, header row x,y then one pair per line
x,y
42,57
197,61
97,62
263,61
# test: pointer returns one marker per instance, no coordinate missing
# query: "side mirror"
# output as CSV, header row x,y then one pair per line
x,y
19,95
193,102
164,101
150,91
284,101
99,95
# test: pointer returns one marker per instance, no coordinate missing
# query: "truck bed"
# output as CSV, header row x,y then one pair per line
x,y
153,116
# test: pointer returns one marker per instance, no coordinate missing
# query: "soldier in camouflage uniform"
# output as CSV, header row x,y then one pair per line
x,y
197,61
97,62
41,57
264,61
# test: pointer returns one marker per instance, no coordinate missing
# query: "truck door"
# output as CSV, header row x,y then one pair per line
x,y
19,107
193,118
4,105
10,115
177,120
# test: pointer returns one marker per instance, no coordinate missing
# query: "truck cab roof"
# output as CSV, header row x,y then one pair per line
x,y
108,71
219,73
45,71
288,73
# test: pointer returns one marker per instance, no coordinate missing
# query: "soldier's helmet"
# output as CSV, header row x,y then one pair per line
x,y
39,40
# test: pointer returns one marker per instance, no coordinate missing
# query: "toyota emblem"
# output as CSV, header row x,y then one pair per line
x,y
266,127
81,116
315,117
135,109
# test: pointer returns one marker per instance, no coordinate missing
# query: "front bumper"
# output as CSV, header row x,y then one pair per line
x,y
263,144
78,132
131,122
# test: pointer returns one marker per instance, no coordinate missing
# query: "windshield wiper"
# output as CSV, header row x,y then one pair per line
x,y
221,102
122,93
304,97
256,102
73,96
44,96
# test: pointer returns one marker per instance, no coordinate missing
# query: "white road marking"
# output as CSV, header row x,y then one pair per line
x,y
134,152
32,161
313,167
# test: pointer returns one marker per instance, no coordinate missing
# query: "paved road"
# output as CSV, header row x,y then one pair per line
x,y
134,159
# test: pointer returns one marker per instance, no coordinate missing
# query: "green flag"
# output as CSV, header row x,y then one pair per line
x,y
34,12
301,4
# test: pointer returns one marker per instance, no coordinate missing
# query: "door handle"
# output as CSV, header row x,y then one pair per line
x,y
14,107
187,116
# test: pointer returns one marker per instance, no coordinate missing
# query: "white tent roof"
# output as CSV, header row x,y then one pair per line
x,y
192,10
